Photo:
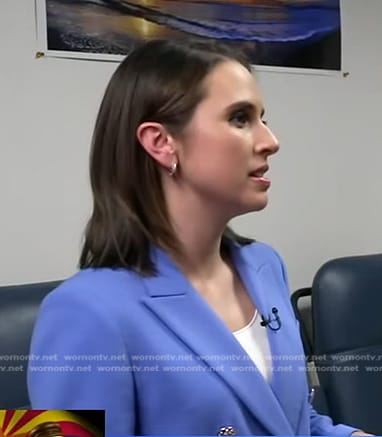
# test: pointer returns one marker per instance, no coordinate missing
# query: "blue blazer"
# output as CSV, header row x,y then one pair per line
x,y
156,357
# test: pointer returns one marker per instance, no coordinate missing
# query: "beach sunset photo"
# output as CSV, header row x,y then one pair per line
x,y
287,33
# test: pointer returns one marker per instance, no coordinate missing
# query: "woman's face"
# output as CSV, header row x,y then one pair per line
x,y
223,151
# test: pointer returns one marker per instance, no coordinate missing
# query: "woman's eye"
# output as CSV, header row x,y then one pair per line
x,y
240,118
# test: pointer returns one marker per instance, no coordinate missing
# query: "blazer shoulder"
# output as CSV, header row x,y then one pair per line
x,y
98,287
258,254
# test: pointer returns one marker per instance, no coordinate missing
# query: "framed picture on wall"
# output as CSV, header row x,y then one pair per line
x,y
302,34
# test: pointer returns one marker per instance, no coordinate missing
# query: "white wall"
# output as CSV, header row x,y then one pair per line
x,y
327,179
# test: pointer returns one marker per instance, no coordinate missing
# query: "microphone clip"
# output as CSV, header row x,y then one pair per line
x,y
273,322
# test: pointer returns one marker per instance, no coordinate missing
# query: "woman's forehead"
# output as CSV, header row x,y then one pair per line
x,y
229,82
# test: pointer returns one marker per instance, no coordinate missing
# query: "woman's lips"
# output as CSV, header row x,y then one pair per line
x,y
258,176
261,180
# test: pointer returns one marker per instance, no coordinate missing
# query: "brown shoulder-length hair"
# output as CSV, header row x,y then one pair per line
x,y
159,81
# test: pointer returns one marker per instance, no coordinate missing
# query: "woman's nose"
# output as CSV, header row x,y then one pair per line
x,y
267,141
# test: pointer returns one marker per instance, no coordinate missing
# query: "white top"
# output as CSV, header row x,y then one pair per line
x,y
254,340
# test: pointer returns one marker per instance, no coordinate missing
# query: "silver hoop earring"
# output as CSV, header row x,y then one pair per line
x,y
173,168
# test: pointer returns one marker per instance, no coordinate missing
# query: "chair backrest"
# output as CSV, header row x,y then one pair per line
x,y
19,306
302,305
347,325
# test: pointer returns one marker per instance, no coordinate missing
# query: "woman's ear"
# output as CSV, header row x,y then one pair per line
x,y
157,142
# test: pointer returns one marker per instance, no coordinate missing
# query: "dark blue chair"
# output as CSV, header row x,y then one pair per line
x,y
347,327
19,306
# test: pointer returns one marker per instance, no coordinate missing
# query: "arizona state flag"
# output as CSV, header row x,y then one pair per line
x,y
19,423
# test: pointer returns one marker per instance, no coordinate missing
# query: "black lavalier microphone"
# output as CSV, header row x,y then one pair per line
x,y
272,323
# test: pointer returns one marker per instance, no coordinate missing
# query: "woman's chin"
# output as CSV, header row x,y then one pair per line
x,y
253,207
260,203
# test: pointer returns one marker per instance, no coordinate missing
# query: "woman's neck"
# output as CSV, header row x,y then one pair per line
x,y
199,230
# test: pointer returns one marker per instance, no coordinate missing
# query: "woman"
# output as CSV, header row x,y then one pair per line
x,y
176,325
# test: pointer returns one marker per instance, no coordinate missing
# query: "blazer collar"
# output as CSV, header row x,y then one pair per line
x,y
266,285
177,304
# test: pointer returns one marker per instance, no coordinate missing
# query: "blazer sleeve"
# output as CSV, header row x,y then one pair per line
x,y
323,425
78,361
319,423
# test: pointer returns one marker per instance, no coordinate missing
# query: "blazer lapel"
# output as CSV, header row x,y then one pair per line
x,y
178,305
263,284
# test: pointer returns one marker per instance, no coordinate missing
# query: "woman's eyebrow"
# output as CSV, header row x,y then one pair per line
x,y
246,104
